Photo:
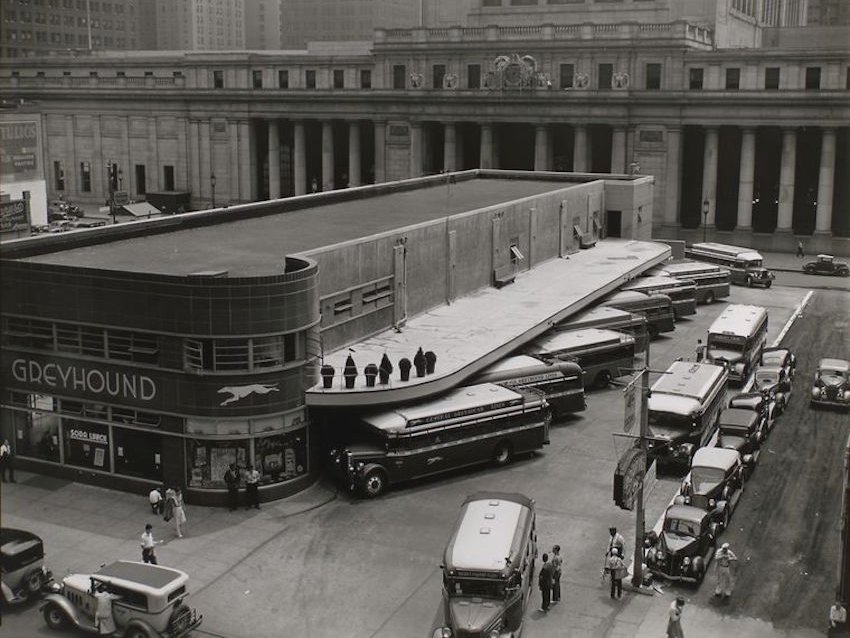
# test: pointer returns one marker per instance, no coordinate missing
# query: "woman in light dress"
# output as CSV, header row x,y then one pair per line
x,y
178,513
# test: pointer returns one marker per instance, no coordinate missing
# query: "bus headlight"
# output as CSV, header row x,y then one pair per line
x,y
494,633
659,555
816,393
739,368
686,561
442,632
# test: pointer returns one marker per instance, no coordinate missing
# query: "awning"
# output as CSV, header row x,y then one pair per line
x,y
139,209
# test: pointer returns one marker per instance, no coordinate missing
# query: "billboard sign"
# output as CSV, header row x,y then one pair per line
x,y
628,478
19,151
14,216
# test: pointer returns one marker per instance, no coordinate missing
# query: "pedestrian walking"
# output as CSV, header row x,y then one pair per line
x,y
544,581
700,350
616,541
723,560
800,253
176,510
674,622
616,568
149,545
156,500
7,461
557,562
252,488
231,478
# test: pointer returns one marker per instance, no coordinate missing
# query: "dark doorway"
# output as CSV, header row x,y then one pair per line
x,y
841,192
433,142
806,180
469,141
339,130
693,144
600,148
614,223
313,152
367,152
261,150
728,176
515,146
766,182
562,147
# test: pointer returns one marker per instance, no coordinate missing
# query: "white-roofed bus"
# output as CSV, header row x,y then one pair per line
x,y
610,317
468,426
561,382
745,265
684,408
683,293
656,309
712,281
736,339
488,567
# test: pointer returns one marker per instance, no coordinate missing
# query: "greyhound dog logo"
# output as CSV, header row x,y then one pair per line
x,y
238,392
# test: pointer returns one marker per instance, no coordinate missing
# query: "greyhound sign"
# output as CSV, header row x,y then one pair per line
x,y
239,392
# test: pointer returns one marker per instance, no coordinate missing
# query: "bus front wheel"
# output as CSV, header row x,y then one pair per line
x,y
749,282
709,298
503,453
375,483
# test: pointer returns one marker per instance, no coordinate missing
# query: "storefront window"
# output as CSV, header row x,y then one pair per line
x,y
35,432
138,453
283,456
208,460
86,444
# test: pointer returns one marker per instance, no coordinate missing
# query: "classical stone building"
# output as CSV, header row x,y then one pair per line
x,y
747,145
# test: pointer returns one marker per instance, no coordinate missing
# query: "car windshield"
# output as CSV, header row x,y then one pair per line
x,y
681,527
704,478
764,377
727,342
773,358
670,420
752,263
476,587
826,372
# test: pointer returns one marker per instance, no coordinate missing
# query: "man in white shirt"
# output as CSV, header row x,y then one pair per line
x,y
149,545
252,488
155,498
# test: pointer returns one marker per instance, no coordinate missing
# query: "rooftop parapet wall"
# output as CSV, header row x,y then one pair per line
x,y
678,31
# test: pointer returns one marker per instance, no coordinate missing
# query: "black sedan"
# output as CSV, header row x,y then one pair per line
x,y
826,265
780,358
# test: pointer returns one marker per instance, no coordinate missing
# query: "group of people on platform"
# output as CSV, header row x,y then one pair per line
x,y
233,478
168,503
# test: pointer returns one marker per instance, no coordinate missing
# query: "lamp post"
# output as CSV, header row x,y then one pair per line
x,y
212,185
705,206
110,182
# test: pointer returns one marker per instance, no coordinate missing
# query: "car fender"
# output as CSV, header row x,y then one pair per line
x,y
63,603
138,623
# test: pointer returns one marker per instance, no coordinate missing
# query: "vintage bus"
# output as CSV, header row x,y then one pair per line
x,y
603,354
561,382
656,309
712,282
684,408
683,294
488,566
736,339
613,318
745,265
467,426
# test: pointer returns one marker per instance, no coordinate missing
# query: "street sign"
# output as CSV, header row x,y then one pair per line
x,y
628,478
14,216
632,412
121,197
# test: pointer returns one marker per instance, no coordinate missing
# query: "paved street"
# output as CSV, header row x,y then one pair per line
x,y
325,564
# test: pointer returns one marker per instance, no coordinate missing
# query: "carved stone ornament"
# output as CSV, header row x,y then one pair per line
x,y
515,72
581,81
450,81
416,80
621,80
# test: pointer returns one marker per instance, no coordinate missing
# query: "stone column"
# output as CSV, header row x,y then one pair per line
x,y
449,147
245,176
206,160
99,185
274,159
785,217
541,148
618,150
746,177
415,149
71,170
195,158
486,159
826,175
327,156
673,177
380,152
580,149
154,171
354,178
709,175
299,152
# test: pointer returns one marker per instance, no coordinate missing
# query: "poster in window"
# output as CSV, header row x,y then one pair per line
x,y
99,456
220,459
289,461
200,456
272,463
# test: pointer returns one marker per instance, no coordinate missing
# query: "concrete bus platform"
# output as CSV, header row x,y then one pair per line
x,y
477,330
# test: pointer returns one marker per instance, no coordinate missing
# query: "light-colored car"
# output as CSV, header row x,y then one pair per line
x,y
147,601
832,383
773,383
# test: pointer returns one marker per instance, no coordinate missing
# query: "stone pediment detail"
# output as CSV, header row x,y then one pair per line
x,y
515,72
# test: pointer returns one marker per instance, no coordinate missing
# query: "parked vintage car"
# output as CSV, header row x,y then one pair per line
x,y
715,482
148,601
774,383
826,265
757,402
22,565
832,383
686,544
743,431
780,358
